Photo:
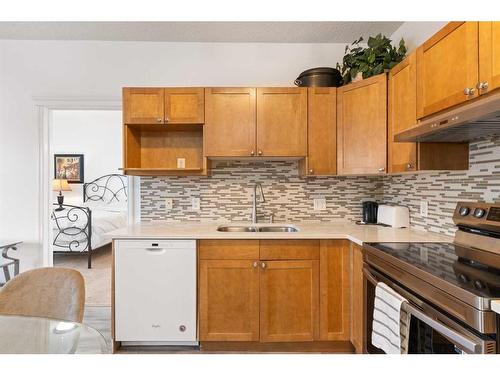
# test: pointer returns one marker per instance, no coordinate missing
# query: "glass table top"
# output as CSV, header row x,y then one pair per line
x,y
33,335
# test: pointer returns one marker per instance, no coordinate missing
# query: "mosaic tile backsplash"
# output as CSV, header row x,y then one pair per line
x,y
443,190
226,194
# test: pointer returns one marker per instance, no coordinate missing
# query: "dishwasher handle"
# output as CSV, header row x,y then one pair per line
x,y
469,342
155,250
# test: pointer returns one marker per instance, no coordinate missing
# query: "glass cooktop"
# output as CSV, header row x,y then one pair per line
x,y
473,270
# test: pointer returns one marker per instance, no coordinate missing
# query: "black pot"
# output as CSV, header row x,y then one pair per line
x,y
319,77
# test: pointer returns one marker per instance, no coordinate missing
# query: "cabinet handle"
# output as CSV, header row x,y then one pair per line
x,y
260,152
255,264
311,171
263,265
166,120
160,120
469,91
381,169
482,85
409,166
252,153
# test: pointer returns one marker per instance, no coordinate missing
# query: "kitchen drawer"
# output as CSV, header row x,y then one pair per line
x,y
228,249
289,249
155,291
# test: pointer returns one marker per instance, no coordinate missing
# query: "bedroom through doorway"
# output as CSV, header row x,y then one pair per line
x,y
89,195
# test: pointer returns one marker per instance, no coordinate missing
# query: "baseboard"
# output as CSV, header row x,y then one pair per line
x,y
277,347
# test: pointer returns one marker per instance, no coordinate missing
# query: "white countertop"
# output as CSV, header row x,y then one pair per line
x,y
307,230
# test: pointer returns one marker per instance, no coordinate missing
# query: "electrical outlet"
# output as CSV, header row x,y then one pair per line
x,y
195,204
169,204
181,163
424,208
319,204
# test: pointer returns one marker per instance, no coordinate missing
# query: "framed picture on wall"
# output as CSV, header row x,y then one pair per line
x,y
69,167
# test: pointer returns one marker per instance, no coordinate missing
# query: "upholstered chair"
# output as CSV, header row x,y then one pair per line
x,y
57,293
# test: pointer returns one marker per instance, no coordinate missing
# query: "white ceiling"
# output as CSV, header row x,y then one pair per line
x,y
266,32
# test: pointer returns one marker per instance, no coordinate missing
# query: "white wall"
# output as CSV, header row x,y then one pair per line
x,y
96,134
415,33
100,69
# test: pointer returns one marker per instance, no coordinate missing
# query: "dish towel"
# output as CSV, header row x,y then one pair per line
x,y
391,323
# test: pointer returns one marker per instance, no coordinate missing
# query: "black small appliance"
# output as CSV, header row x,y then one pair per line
x,y
370,212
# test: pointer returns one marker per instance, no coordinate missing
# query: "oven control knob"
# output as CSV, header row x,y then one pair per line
x,y
464,278
479,213
464,211
478,284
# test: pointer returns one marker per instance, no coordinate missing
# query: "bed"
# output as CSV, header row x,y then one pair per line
x,y
83,228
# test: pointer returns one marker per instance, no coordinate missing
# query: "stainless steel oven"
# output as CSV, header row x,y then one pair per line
x,y
431,330
449,285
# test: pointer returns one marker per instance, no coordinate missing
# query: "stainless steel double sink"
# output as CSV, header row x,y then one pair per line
x,y
252,228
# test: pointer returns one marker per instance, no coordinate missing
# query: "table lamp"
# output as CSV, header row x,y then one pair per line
x,y
60,185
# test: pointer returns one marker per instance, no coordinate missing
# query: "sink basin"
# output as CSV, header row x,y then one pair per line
x,y
284,228
245,228
236,228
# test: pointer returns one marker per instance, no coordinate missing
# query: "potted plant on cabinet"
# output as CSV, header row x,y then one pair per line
x,y
363,62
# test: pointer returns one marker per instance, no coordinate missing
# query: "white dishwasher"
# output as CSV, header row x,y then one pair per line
x,y
155,292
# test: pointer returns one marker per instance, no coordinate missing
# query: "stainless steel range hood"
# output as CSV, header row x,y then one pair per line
x,y
476,119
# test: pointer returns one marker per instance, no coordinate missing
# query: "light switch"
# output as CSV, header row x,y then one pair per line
x,y
424,208
169,204
319,204
195,204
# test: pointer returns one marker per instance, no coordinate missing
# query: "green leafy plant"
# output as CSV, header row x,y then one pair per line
x,y
378,56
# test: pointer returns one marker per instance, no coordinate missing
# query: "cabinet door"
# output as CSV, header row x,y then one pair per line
x,y
230,121
489,55
322,131
184,105
447,64
289,300
362,126
229,300
357,298
282,121
335,290
143,105
402,114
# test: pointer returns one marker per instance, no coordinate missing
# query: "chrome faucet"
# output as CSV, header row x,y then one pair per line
x,y
254,198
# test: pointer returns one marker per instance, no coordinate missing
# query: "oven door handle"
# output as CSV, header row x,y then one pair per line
x,y
467,343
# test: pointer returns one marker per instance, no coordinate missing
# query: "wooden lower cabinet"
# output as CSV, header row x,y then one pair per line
x,y
357,300
289,301
228,300
335,290
279,291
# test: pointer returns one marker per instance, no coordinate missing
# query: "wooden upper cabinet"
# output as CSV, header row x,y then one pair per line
x,y
447,65
289,300
228,300
230,121
402,114
322,131
282,121
489,56
335,290
143,105
163,105
184,105
362,126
